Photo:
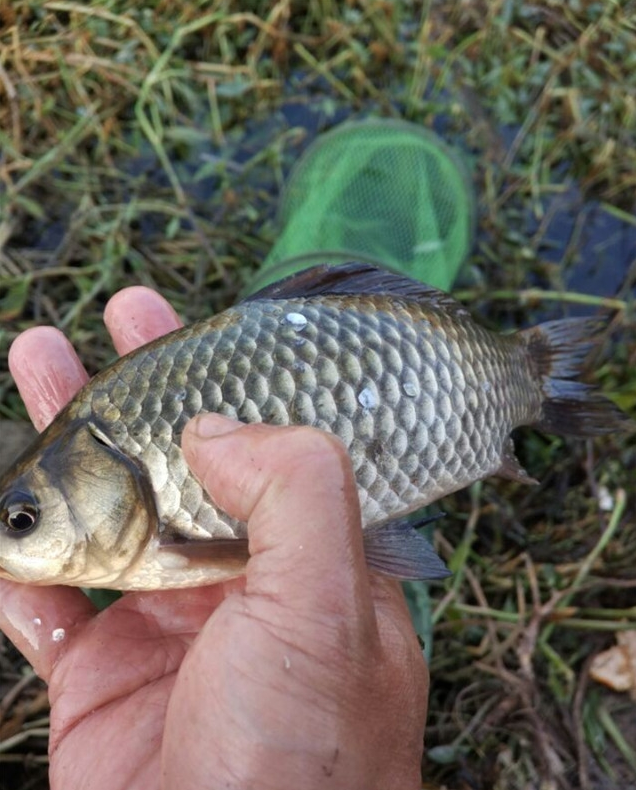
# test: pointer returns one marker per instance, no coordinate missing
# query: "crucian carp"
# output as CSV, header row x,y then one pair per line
x,y
423,398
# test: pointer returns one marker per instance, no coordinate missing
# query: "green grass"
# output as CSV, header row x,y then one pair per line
x,y
150,145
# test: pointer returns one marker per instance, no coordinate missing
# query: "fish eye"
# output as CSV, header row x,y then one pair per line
x,y
19,513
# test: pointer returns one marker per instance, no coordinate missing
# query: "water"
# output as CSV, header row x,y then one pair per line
x,y
594,249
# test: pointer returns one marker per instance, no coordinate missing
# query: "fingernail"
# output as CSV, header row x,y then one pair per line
x,y
209,426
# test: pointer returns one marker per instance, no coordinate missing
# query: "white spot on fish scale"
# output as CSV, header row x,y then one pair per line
x,y
286,662
180,396
297,321
410,388
37,621
58,634
486,386
367,398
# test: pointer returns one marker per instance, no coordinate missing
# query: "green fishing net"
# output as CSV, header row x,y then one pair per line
x,y
381,191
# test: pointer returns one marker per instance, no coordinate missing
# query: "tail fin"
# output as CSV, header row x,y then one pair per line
x,y
559,350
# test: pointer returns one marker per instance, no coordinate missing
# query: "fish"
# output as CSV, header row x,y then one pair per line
x,y
422,396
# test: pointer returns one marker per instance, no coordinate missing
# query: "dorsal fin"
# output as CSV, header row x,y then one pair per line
x,y
354,279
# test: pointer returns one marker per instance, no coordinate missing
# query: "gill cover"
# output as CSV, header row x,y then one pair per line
x,y
74,510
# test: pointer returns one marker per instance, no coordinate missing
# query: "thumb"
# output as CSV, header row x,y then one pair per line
x,y
296,490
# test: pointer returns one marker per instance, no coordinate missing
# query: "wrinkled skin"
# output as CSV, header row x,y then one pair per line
x,y
305,674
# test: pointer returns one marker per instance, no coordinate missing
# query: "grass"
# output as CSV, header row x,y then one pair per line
x,y
150,145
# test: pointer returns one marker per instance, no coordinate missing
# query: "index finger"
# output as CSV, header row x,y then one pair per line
x,y
48,372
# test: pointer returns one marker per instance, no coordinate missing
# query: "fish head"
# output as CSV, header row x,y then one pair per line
x,y
74,510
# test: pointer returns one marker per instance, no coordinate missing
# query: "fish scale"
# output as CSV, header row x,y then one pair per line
x,y
398,389
422,397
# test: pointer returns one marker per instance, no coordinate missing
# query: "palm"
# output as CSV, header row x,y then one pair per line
x,y
121,668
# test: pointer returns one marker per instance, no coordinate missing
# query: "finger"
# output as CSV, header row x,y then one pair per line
x,y
41,621
136,316
296,489
393,613
47,372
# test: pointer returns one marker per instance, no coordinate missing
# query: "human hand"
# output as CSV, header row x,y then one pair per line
x,y
305,674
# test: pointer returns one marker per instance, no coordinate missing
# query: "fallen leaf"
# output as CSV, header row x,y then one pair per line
x,y
616,667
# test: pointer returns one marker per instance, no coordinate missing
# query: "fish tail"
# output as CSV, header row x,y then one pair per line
x,y
559,350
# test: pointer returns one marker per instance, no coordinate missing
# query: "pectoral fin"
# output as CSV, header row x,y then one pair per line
x,y
393,548
214,552
396,549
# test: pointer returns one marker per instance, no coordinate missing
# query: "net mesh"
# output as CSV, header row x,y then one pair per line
x,y
385,192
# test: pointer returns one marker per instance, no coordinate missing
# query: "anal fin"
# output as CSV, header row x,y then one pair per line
x,y
396,549
510,467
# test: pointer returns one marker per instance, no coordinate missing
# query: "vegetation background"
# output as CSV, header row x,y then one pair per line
x,y
149,142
